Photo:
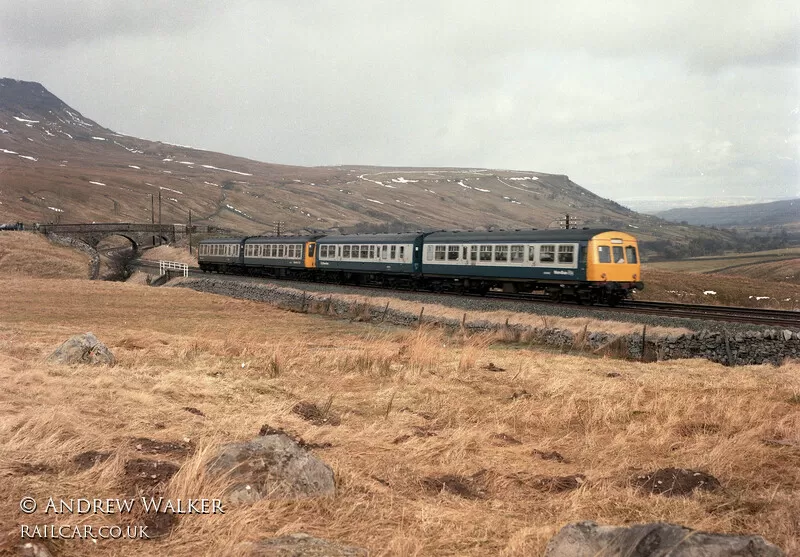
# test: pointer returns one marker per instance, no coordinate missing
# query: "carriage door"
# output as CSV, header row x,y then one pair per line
x,y
310,261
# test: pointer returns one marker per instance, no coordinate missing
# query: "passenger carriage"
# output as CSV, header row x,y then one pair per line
x,y
389,259
589,265
221,255
280,256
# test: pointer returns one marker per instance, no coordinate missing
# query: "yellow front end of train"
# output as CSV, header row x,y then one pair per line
x,y
613,257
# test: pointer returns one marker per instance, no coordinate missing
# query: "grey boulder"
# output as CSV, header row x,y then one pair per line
x,y
82,349
660,539
299,545
273,467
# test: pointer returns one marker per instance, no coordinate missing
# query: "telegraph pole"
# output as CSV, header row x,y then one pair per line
x,y
278,224
190,231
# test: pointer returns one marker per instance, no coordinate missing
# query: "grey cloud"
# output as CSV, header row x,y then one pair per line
x,y
48,23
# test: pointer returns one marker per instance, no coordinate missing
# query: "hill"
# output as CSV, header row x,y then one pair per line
x,y
775,213
60,166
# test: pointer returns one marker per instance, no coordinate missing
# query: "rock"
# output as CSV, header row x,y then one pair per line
x,y
33,549
298,545
272,466
83,349
787,334
587,539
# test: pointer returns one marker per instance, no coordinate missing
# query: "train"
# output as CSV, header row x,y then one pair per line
x,y
585,265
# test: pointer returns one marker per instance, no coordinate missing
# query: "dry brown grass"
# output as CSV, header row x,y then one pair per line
x,y
170,253
413,403
686,287
26,254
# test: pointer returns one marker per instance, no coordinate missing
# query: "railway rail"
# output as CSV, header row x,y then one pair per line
x,y
755,316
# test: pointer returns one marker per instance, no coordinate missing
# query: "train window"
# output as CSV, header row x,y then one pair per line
x,y
439,252
323,251
372,252
393,252
452,253
603,254
402,253
338,251
531,252
547,254
566,254
384,250
473,253
486,253
281,250
618,254
501,253
364,251
346,252
464,253
517,253
630,254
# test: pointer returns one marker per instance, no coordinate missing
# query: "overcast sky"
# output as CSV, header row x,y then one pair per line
x,y
684,98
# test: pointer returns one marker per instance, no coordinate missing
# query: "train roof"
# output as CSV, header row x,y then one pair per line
x,y
222,240
404,237
281,239
550,235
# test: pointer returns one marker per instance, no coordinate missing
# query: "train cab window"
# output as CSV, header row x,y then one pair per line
x,y
603,254
630,254
486,253
547,254
473,253
402,253
517,254
618,254
311,249
393,252
439,252
501,253
452,253
345,252
566,254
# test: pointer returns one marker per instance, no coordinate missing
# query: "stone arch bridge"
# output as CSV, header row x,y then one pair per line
x,y
137,234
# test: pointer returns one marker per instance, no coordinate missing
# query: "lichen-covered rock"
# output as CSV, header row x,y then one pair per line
x,y
274,467
83,349
660,539
298,545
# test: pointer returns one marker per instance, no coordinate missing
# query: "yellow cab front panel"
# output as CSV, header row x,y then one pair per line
x,y
613,257
310,261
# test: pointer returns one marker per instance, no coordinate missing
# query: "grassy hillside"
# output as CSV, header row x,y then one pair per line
x,y
758,214
25,254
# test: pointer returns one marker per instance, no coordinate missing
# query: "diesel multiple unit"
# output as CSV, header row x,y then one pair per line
x,y
589,265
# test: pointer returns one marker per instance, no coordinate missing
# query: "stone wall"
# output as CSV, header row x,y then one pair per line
x,y
751,347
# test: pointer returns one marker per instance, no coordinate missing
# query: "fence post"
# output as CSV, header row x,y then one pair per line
x,y
385,310
420,316
727,347
644,344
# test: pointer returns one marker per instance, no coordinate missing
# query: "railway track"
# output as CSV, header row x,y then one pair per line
x,y
755,316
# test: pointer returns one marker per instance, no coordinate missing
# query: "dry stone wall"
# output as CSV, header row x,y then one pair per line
x,y
741,348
